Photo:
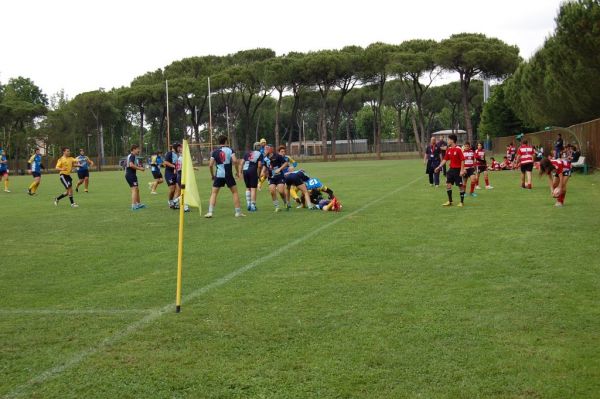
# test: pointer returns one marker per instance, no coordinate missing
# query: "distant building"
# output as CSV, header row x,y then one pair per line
x,y
443,135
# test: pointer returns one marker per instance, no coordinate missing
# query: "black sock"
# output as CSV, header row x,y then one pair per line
x,y
60,197
462,196
71,198
449,192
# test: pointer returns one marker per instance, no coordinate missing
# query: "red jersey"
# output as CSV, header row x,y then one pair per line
x,y
469,158
480,157
566,164
559,165
526,154
455,156
495,165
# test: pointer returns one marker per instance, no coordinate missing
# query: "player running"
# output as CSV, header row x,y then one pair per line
x,y
133,165
251,165
35,169
223,158
170,176
4,169
65,165
525,155
481,167
83,171
457,170
155,165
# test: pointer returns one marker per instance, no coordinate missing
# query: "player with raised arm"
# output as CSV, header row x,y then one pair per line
x,y
83,171
65,165
457,170
35,168
133,165
223,158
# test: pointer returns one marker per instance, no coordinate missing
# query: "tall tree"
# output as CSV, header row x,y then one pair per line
x,y
472,55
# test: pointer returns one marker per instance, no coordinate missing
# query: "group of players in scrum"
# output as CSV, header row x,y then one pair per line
x,y
467,163
256,167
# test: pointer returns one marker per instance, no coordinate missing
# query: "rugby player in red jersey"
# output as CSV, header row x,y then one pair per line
x,y
481,167
525,155
457,169
469,155
558,171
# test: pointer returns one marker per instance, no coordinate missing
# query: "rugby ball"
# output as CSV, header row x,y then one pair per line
x,y
556,192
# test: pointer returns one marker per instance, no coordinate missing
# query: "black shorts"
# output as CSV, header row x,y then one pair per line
x,y
82,174
567,173
251,178
453,177
294,179
178,179
66,181
170,178
4,172
526,167
132,180
222,181
481,168
468,173
277,180
36,174
156,174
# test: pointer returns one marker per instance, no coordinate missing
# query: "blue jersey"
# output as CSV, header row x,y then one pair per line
x,y
155,162
36,163
223,158
84,162
313,183
4,163
251,160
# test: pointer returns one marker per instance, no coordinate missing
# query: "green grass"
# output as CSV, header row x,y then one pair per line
x,y
399,297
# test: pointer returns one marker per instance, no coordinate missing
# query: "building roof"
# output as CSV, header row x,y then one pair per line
x,y
440,132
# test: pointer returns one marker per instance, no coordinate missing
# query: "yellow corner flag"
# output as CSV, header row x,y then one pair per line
x,y
192,198
189,196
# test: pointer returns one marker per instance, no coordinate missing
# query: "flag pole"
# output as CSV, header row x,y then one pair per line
x,y
209,117
180,244
168,127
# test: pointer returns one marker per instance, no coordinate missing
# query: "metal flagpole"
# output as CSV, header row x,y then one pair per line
x,y
209,117
168,127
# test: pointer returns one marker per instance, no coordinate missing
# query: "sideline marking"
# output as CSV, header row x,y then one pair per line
x,y
154,314
73,311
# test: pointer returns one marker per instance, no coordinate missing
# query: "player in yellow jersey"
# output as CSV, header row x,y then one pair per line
x,y
65,165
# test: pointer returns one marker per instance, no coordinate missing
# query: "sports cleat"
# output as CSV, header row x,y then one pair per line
x,y
56,201
460,204
76,189
150,185
477,187
86,191
473,194
558,205
277,210
489,187
240,215
447,203
6,191
141,206
74,205
253,208
249,208
153,192
208,215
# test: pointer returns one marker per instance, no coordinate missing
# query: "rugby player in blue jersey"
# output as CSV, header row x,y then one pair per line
x,y
222,159
274,166
83,170
298,180
251,165
35,168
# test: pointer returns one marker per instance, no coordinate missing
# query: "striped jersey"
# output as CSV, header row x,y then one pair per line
x,y
469,158
526,154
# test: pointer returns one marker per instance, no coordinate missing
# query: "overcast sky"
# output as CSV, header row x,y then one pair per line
x,y
82,45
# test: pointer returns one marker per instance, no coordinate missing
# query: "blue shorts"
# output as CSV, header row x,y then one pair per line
x,y
277,180
132,180
222,181
4,172
170,178
36,174
294,179
83,173
156,174
251,178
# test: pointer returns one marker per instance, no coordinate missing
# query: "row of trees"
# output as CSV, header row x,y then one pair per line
x,y
337,93
560,84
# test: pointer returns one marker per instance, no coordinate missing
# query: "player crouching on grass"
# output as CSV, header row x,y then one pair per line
x,y
558,172
457,170
297,179
64,165
223,158
133,166
315,191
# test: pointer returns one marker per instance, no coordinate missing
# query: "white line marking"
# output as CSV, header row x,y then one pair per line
x,y
73,311
156,313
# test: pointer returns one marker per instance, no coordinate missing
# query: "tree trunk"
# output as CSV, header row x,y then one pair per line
x,y
464,88
348,134
323,131
277,112
416,131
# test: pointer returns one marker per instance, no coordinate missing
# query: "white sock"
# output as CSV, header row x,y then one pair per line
x,y
248,198
276,203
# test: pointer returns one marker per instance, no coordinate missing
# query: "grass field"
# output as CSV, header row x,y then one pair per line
x,y
393,297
